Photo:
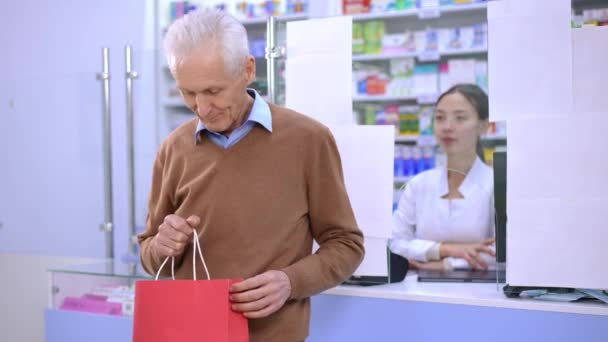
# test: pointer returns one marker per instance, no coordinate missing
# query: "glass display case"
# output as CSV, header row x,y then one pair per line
x,y
106,287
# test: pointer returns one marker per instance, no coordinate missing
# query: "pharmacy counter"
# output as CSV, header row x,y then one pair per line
x,y
450,312
406,311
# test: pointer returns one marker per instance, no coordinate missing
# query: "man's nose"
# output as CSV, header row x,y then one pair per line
x,y
202,105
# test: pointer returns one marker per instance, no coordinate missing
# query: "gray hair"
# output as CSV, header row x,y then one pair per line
x,y
208,28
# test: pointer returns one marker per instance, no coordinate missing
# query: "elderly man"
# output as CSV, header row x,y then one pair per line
x,y
257,181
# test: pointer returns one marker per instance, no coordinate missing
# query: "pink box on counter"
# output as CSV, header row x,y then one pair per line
x,y
92,306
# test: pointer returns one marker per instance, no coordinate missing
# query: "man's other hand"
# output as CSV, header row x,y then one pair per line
x,y
262,295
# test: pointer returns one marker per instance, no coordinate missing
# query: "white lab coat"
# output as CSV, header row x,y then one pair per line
x,y
423,219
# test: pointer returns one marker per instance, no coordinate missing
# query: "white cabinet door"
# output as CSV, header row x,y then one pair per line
x,y
51,160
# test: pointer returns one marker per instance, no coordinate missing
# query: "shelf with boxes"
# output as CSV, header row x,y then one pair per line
x,y
251,12
261,21
406,53
422,56
92,302
105,288
415,65
362,10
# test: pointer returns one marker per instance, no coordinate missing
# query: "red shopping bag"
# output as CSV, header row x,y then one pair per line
x,y
186,310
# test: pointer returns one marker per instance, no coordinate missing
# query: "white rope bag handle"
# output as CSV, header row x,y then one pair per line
x,y
196,246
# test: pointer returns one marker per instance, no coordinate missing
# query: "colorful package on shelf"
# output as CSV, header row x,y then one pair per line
x,y
381,117
358,41
428,158
369,114
376,84
392,117
595,17
402,77
360,79
379,6
431,42
355,6
480,36
462,70
481,75
488,155
410,41
426,79
404,4
427,3
394,43
409,167
243,10
373,31
411,160
297,6
417,160
420,40
408,120
360,74
398,164
425,118
454,39
271,7
444,78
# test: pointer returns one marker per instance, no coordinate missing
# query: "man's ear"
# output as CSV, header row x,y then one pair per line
x,y
250,70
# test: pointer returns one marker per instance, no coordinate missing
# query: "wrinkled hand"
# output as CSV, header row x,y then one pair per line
x,y
469,251
173,235
431,265
262,295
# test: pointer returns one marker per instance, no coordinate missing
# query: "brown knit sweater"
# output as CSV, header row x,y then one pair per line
x,y
261,204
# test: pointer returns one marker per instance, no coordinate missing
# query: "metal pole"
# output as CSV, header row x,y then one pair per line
x,y
129,77
107,227
270,57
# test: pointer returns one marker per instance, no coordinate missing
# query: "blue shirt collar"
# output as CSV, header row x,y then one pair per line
x,y
260,113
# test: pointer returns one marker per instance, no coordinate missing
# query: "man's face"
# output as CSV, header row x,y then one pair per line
x,y
218,98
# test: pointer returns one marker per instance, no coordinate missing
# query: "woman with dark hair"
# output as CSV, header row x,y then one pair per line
x,y
445,217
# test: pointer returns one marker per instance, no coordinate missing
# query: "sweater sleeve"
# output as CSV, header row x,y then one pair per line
x,y
332,223
160,204
403,240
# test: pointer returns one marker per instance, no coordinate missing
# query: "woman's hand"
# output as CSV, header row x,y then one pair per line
x,y
468,251
431,265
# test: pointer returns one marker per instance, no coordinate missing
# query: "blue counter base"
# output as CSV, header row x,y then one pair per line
x,y
73,326
349,318
345,318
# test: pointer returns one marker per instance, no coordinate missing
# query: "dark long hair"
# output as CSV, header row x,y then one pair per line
x,y
478,98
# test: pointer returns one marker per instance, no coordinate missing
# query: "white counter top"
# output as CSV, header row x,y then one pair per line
x,y
463,293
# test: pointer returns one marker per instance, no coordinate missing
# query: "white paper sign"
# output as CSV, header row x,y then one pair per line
x,y
367,154
557,242
556,205
319,69
375,261
558,158
530,68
